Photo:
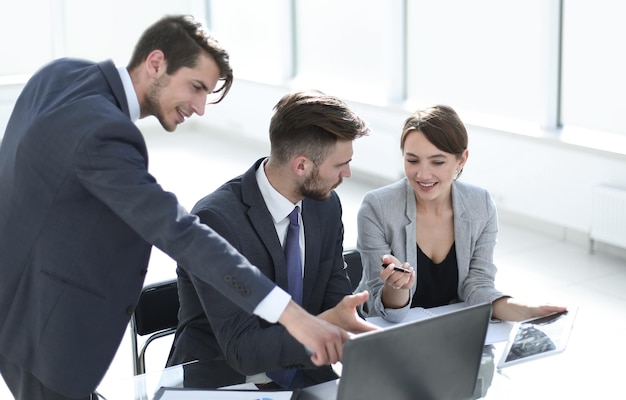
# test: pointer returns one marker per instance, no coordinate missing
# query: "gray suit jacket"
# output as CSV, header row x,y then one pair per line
x,y
212,328
386,225
79,213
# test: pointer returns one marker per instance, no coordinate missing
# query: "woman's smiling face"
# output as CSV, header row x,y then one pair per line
x,y
429,170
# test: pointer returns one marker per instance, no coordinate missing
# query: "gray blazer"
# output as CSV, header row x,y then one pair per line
x,y
386,225
79,214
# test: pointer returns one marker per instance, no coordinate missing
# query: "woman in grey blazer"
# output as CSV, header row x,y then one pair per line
x,y
445,228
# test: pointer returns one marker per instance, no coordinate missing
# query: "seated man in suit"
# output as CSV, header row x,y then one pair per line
x,y
311,138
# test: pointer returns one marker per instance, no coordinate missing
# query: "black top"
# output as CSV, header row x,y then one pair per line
x,y
436,283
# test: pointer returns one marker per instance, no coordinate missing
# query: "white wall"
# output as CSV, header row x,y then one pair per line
x,y
8,94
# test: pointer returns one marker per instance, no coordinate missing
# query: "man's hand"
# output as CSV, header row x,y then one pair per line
x,y
345,315
322,338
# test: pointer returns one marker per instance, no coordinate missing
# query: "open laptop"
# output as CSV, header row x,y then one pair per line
x,y
434,358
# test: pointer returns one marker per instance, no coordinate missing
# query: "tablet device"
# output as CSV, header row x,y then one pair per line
x,y
538,337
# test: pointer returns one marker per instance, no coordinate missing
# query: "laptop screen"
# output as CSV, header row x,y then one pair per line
x,y
434,358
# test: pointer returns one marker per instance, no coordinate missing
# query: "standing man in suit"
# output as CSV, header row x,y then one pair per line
x,y
311,138
79,214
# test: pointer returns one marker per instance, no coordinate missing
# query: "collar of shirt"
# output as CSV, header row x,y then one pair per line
x,y
277,204
131,95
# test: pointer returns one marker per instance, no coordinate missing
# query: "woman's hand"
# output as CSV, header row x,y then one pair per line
x,y
510,309
396,291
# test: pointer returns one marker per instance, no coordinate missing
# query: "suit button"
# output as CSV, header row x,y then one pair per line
x,y
130,310
240,288
143,272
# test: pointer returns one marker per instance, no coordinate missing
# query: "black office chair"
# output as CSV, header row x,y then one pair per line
x,y
156,315
354,267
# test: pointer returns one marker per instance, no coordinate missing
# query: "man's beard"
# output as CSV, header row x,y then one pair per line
x,y
153,104
312,189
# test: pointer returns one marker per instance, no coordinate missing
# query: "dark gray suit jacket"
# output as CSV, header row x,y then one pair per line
x,y
212,328
79,213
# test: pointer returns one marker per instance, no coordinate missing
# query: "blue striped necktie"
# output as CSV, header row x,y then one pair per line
x,y
294,257
287,377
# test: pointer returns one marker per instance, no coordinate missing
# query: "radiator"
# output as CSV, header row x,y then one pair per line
x,y
608,222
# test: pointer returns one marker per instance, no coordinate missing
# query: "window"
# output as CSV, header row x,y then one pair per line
x,y
594,65
258,37
485,58
347,48
99,31
27,37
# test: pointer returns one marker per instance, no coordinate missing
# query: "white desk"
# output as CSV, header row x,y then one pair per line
x,y
144,387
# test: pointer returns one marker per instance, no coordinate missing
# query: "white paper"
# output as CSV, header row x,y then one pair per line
x,y
191,394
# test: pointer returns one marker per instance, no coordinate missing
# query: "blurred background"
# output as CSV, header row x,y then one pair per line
x,y
539,83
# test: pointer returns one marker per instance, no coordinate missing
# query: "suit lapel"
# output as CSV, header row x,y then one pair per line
x,y
115,82
462,233
409,228
263,224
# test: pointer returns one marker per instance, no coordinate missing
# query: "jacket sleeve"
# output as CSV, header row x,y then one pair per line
x,y
374,237
111,163
249,344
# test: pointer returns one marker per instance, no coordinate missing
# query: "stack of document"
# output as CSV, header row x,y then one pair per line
x,y
223,394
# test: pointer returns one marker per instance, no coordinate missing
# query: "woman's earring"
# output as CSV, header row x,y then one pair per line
x,y
456,175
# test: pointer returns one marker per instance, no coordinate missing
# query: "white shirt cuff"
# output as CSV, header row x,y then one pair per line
x,y
273,305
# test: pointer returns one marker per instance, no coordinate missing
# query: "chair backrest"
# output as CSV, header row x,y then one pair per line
x,y
156,315
354,267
